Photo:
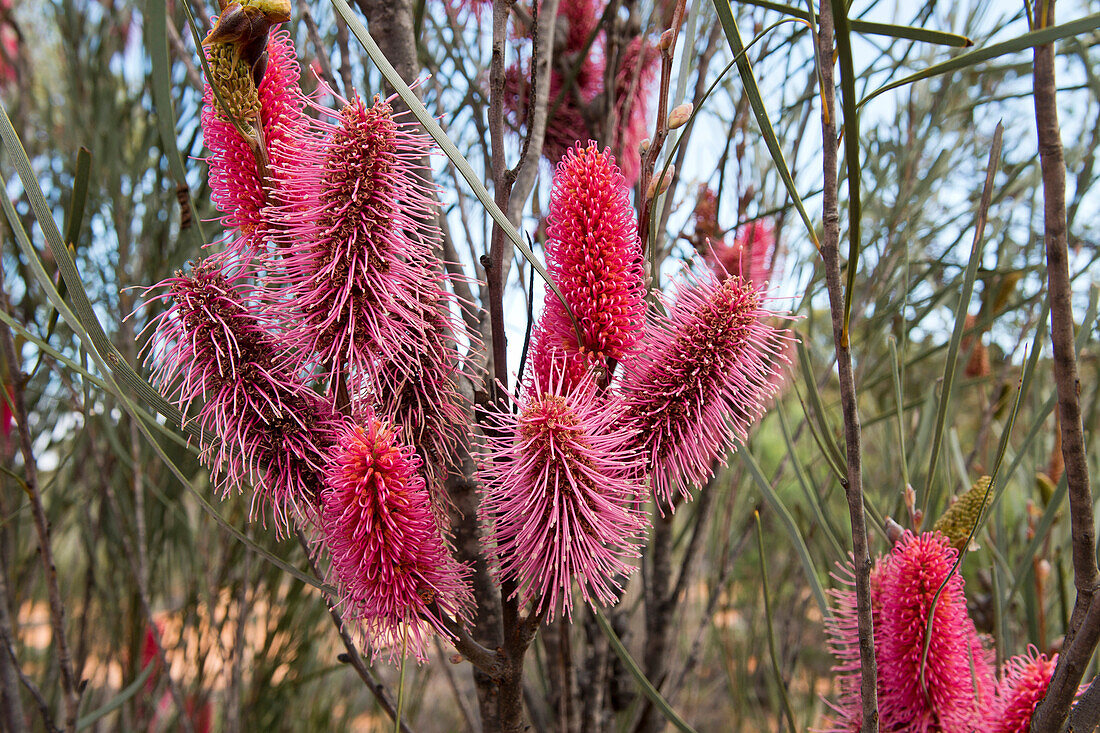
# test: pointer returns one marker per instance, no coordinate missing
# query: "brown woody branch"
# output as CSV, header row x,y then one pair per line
x,y
1084,622
853,483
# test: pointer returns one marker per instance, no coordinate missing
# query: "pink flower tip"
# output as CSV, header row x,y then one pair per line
x,y
595,258
1023,684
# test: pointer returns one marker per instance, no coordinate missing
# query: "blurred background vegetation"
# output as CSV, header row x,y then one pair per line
x,y
251,647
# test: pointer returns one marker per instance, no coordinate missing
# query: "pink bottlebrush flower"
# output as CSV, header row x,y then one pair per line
x,y
10,46
216,345
1024,681
633,83
568,125
354,224
699,378
957,686
581,18
749,256
558,497
706,219
944,695
239,189
594,256
394,571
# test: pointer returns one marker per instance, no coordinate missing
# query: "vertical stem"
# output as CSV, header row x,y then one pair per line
x,y
853,485
1052,712
70,695
11,705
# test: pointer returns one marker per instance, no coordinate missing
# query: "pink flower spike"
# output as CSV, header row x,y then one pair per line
x,y
237,187
942,694
354,223
216,346
594,256
389,560
558,498
698,379
957,690
1024,681
577,21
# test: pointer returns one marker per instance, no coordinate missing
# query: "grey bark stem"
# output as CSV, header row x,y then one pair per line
x,y
853,484
1053,710
391,26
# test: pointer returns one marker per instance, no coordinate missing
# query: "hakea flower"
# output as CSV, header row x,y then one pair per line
x,y
944,693
594,256
1023,684
238,187
699,378
216,344
11,46
353,218
954,687
634,78
394,571
558,497
749,256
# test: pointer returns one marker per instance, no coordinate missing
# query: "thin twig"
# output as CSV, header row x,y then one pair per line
x,y
1080,639
649,161
70,694
525,172
184,54
853,484
460,700
377,689
11,673
318,46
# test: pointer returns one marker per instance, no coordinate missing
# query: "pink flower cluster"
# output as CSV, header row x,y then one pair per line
x,y
577,87
935,674
388,556
559,497
564,475
318,352
239,188
752,253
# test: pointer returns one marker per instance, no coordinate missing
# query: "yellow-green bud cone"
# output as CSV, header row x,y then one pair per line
x,y
960,518
232,77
